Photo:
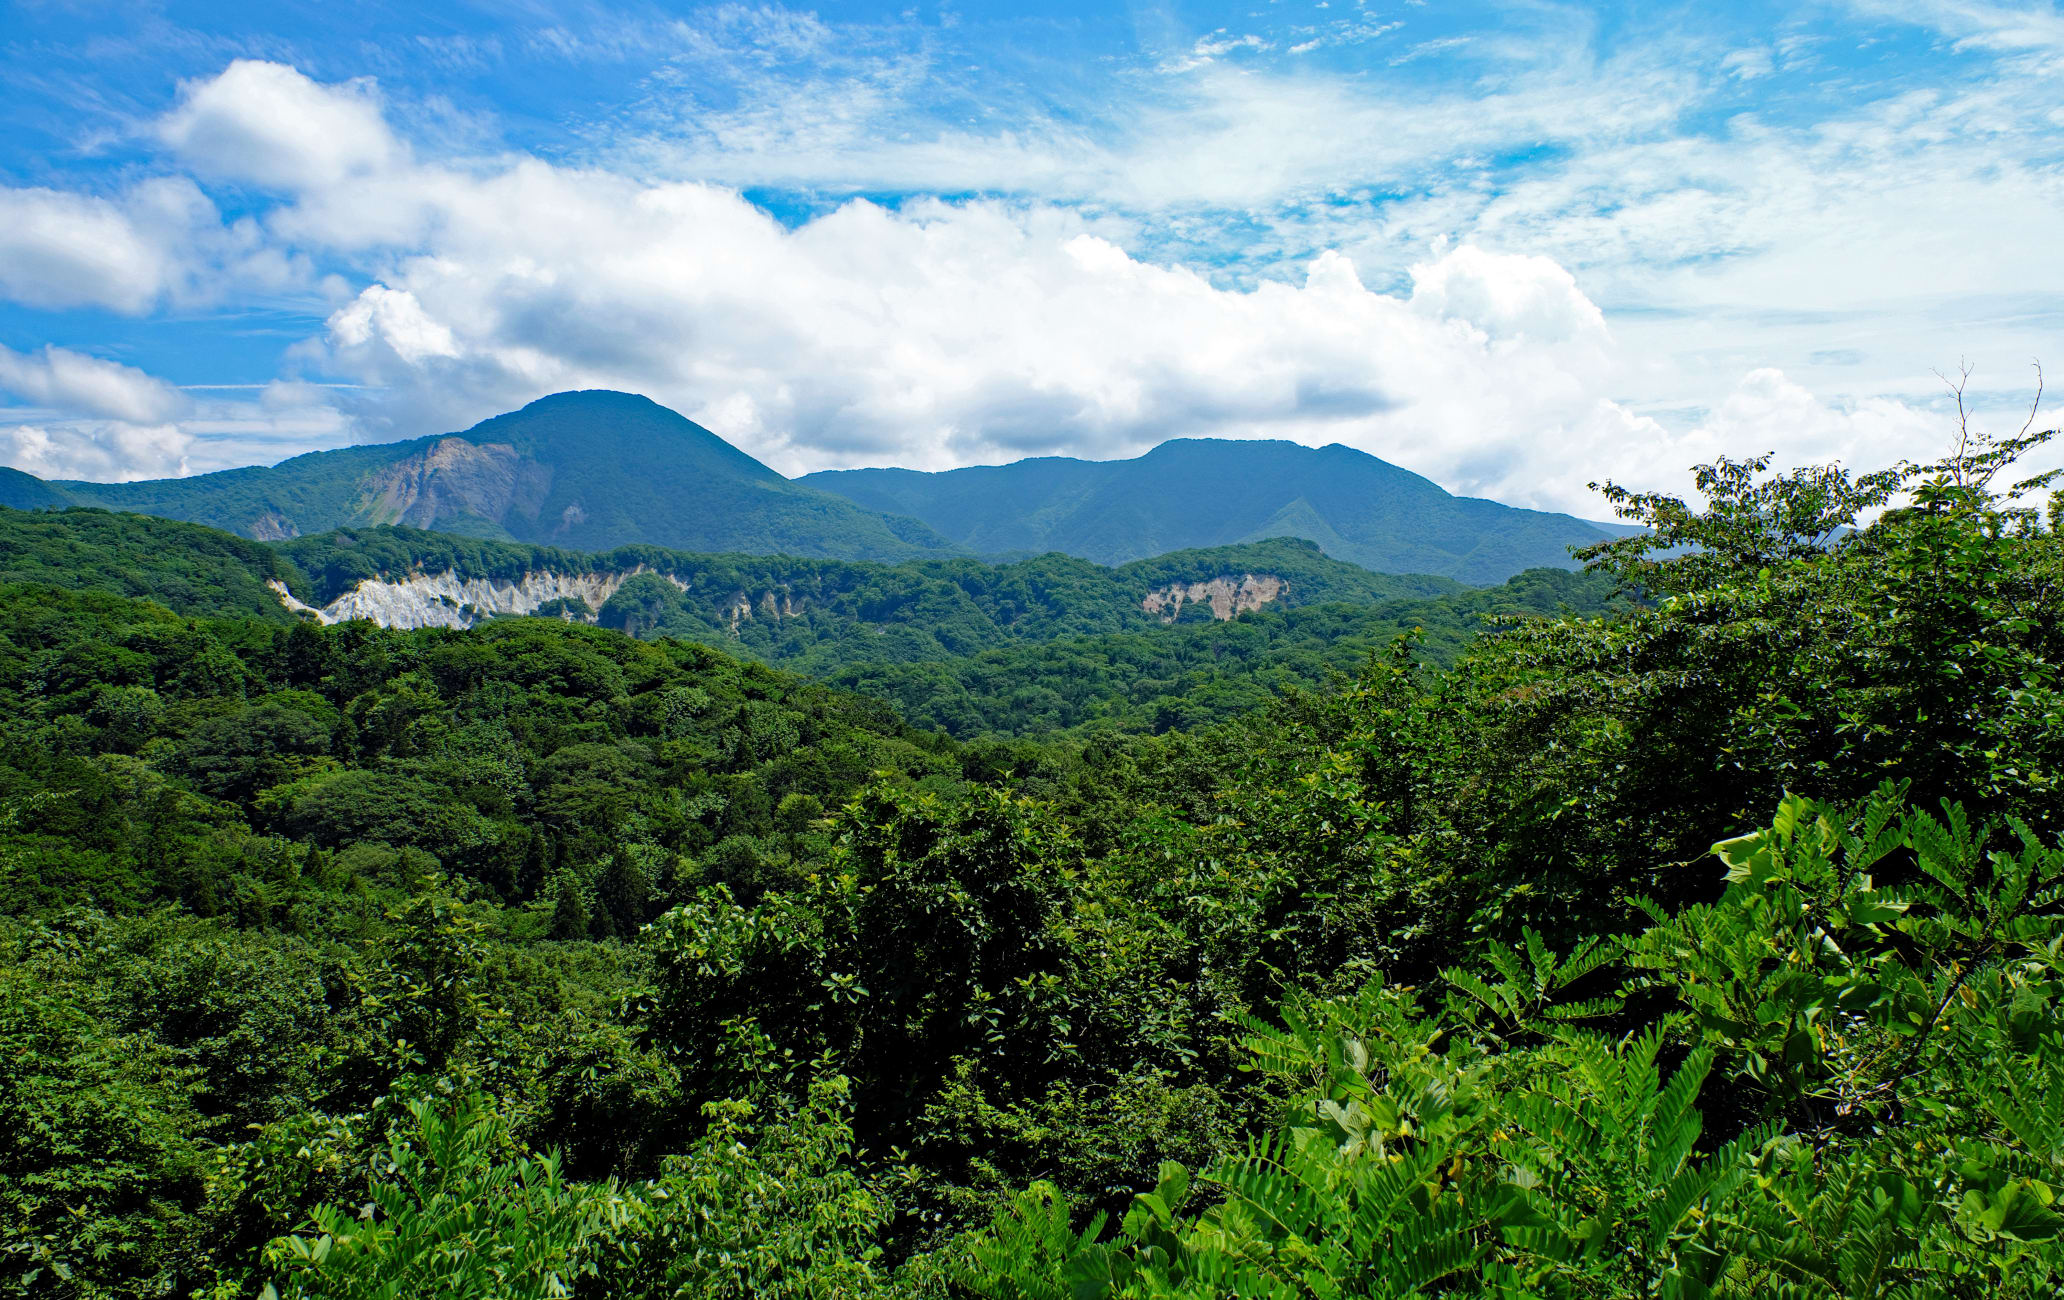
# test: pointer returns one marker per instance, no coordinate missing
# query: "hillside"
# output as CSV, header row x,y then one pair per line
x,y
19,491
588,470
1206,492
816,616
185,567
1046,644
1201,671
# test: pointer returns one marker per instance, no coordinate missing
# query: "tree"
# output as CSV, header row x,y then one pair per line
x,y
569,907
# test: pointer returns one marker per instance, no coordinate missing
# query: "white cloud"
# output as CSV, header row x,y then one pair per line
x,y
2035,26
160,241
81,384
1508,295
105,451
955,333
67,250
268,124
1768,412
950,333
155,435
946,333
1749,65
397,321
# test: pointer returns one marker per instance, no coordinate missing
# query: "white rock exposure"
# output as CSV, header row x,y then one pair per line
x,y
447,600
1227,596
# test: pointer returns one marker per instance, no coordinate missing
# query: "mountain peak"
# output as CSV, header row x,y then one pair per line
x,y
590,470
1205,492
596,399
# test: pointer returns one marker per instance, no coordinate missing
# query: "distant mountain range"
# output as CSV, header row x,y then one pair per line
x,y
590,471
594,471
1201,492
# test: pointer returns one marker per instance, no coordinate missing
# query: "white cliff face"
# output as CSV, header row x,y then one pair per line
x,y
447,600
1227,596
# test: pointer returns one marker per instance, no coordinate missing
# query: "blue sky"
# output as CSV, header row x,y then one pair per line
x,y
1514,246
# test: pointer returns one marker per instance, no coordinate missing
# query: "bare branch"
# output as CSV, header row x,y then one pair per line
x,y
2035,405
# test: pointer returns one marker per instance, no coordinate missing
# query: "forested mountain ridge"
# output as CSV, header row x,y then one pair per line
x,y
1199,492
598,470
1037,645
1713,947
19,491
587,470
1038,598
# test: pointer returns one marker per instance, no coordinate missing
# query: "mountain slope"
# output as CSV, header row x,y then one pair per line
x,y
1042,644
588,470
19,491
187,568
817,615
1204,492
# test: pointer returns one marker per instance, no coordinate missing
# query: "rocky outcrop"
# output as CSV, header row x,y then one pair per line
x,y
743,608
447,600
272,526
454,478
1227,596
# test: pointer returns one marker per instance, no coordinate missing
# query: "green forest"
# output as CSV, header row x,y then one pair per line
x,y
1693,931
1026,648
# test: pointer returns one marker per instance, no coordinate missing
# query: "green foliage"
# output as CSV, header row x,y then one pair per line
x,y
535,959
1026,648
455,1208
98,1178
184,566
297,864
1198,673
762,1206
1529,1158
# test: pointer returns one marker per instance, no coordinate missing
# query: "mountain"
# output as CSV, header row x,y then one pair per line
x,y
19,491
1044,644
592,471
589,470
1196,492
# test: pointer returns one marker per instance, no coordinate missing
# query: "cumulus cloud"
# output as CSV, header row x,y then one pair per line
x,y
946,334
932,335
943,333
936,335
75,382
68,250
394,320
162,240
1766,406
144,431
103,451
1508,295
268,124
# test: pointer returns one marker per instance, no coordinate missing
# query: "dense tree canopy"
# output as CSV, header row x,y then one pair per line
x,y
1705,945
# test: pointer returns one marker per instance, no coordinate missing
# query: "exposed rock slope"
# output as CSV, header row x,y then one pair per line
x,y
448,600
1227,596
